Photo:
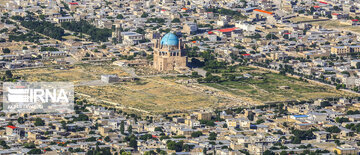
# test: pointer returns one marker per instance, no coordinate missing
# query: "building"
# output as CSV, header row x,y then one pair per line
x,y
52,54
245,26
109,78
345,150
64,19
13,130
169,54
354,49
131,38
190,28
203,115
340,50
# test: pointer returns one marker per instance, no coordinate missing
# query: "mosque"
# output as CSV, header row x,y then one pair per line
x,y
169,54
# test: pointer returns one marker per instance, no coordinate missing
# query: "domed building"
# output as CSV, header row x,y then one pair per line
x,y
169,54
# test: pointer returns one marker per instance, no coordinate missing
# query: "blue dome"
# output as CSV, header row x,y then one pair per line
x,y
170,39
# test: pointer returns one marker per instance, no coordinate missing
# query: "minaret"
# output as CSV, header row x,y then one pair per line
x,y
117,33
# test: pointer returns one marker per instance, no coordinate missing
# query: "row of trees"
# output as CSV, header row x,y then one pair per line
x,y
223,11
178,146
82,26
46,28
30,36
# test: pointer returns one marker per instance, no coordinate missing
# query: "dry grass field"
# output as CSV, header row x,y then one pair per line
x,y
267,88
153,95
75,73
163,94
329,24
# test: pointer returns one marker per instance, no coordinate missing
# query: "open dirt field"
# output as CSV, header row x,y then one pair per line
x,y
163,94
153,95
330,24
266,89
75,73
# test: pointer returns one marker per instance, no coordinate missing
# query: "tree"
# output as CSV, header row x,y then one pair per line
x,y
268,152
45,28
8,74
271,36
212,136
176,20
122,128
259,121
286,36
129,129
337,142
144,15
133,143
196,134
177,146
194,74
205,150
295,140
140,30
82,26
158,129
34,151
333,129
342,119
225,125
283,153
6,50
4,145
21,120
358,65
39,122
120,16
325,104
107,139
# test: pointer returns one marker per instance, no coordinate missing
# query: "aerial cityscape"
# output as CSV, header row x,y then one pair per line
x,y
180,77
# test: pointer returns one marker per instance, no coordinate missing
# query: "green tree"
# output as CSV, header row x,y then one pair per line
x,y
177,146
358,65
107,139
129,129
144,15
268,152
8,74
35,151
342,119
212,136
6,50
120,16
21,120
122,127
158,129
196,134
133,143
333,129
259,121
283,153
39,122
176,20
271,36
225,125
194,74
205,151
